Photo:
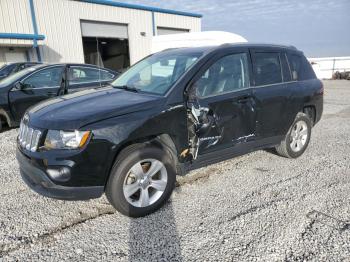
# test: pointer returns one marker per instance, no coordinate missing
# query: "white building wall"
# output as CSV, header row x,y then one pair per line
x,y
176,21
325,67
15,17
59,21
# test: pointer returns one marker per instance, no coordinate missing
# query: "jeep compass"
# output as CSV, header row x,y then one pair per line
x,y
170,113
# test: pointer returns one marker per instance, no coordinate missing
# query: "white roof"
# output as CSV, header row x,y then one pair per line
x,y
196,39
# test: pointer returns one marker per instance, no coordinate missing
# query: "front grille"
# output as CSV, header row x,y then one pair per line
x,y
28,137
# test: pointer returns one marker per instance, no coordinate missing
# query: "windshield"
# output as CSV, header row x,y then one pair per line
x,y
6,69
16,76
156,73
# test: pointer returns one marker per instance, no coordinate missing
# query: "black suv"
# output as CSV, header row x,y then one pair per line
x,y
36,83
172,112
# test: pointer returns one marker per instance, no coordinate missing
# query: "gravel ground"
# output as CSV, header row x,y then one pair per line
x,y
257,207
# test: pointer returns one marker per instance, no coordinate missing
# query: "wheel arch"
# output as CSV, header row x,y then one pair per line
x,y
5,117
163,141
310,111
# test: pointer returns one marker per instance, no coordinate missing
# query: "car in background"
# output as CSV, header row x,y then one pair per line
x,y
11,68
39,82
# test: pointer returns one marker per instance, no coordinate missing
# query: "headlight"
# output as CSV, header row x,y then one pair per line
x,y
56,139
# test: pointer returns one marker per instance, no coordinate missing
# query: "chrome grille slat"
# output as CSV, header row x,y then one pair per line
x,y
28,137
24,135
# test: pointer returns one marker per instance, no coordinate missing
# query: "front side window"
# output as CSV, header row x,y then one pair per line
x,y
156,73
16,76
267,68
80,75
229,73
50,77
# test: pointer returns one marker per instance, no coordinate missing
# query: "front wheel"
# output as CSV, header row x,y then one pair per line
x,y
142,180
297,138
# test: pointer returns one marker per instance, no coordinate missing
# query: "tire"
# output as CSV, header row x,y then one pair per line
x,y
0,126
130,172
293,148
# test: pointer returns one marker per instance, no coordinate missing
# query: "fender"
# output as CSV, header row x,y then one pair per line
x,y
169,128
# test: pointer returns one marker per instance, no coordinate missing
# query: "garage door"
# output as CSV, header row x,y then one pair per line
x,y
169,31
18,56
104,30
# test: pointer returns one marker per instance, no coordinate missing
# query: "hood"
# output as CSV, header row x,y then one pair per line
x,y
76,110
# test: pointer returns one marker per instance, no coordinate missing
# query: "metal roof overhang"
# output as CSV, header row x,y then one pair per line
x,y
140,7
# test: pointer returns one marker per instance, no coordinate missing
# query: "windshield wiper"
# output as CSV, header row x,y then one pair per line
x,y
128,88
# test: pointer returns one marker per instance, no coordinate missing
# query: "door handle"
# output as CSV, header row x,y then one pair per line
x,y
243,99
50,94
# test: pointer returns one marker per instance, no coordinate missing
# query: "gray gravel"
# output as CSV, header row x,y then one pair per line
x,y
256,207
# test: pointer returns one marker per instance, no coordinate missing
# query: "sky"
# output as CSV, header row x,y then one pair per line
x,y
319,28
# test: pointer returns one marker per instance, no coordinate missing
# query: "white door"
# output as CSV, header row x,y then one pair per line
x,y
15,57
104,30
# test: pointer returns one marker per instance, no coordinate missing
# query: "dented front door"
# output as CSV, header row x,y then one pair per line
x,y
221,107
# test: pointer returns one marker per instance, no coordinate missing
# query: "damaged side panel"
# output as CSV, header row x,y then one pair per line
x,y
219,123
203,129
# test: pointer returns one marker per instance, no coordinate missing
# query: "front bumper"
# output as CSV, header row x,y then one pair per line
x,y
39,182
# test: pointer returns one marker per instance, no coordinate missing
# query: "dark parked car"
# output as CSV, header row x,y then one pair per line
x,y
34,84
172,112
11,68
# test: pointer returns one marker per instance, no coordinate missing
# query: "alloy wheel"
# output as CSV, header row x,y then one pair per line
x,y
145,182
298,136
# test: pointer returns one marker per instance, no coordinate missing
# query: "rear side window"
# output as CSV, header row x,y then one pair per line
x,y
267,68
300,67
81,75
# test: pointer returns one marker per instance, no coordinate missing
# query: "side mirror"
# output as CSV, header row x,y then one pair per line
x,y
22,86
19,86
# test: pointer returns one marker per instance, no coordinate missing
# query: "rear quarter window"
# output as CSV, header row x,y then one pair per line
x,y
300,68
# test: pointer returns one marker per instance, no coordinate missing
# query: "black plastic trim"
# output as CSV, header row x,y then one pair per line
x,y
39,182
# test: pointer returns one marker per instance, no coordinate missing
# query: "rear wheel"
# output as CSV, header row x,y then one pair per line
x,y
142,180
297,138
